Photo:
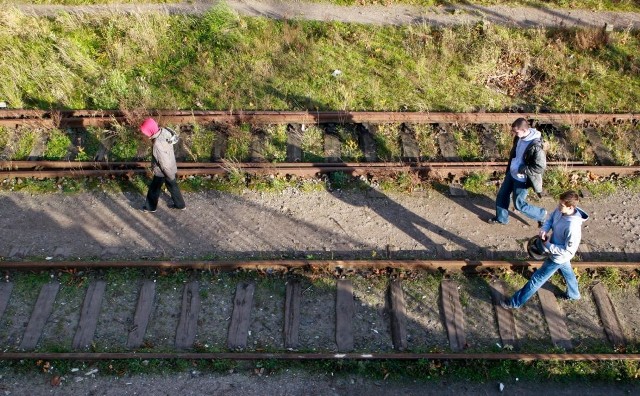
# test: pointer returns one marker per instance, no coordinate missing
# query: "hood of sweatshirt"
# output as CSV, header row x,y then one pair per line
x,y
162,133
578,216
533,134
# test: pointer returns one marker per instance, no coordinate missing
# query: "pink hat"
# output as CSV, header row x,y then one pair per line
x,y
149,127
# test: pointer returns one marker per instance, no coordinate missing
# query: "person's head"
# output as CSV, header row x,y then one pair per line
x,y
149,127
520,127
568,202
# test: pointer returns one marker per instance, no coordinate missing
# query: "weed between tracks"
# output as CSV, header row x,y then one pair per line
x,y
556,181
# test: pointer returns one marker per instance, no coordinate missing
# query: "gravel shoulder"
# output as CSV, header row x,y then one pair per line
x,y
291,383
449,15
295,224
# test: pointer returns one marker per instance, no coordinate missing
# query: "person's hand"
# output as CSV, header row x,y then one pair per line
x,y
543,235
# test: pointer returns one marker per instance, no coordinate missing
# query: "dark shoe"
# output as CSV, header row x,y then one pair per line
x,y
506,304
147,210
494,220
177,208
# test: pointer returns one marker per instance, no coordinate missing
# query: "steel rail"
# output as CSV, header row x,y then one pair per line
x,y
44,164
287,265
83,118
528,357
433,170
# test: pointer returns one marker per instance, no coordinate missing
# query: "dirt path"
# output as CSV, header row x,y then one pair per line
x,y
381,15
337,224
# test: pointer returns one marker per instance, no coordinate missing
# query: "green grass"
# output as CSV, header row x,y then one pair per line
x,y
239,143
201,143
468,145
125,145
400,182
427,141
479,183
350,150
387,139
276,144
57,145
24,140
313,144
229,62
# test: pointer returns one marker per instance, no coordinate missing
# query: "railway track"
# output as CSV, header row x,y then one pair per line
x,y
444,162
453,170
105,118
199,331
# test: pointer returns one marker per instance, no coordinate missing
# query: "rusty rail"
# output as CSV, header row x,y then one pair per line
x,y
527,357
430,265
47,169
102,118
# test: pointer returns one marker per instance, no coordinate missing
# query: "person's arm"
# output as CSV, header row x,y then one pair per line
x,y
562,253
546,226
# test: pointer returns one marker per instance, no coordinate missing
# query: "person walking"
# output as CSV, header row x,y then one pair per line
x,y
565,227
163,165
527,162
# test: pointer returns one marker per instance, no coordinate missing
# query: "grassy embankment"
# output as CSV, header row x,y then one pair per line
x,y
223,61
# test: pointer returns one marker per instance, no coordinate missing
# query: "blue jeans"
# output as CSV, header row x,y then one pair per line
x,y
543,274
519,190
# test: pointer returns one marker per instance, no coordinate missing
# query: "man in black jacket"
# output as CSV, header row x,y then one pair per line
x,y
527,163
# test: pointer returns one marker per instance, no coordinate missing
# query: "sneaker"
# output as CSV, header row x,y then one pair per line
x,y
147,210
172,206
506,304
565,297
494,220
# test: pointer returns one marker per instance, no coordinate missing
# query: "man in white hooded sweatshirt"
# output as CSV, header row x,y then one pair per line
x,y
565,226
527,163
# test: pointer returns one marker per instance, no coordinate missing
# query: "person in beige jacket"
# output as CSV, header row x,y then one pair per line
x,y
163,165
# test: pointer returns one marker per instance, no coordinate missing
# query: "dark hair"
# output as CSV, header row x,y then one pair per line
x,y
520,123
570,198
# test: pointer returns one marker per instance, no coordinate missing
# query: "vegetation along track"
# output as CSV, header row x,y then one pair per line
x,y
328,310
438,145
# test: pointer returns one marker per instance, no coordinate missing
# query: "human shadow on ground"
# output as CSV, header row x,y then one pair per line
x,y
406,221
479,204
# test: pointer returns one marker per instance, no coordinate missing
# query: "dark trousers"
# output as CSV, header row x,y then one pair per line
x,y
155,188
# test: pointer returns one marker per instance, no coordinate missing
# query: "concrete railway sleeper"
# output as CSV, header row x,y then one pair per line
x,y
277,312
